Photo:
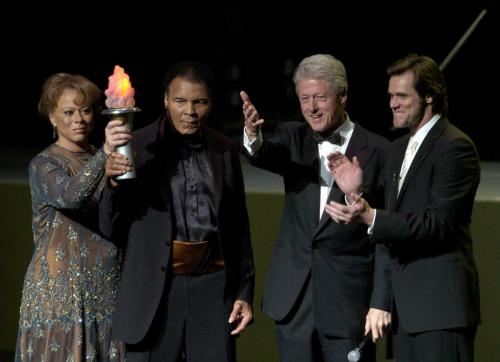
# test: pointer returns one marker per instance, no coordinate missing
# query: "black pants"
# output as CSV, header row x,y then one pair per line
x,y
300,341
451,345
191,323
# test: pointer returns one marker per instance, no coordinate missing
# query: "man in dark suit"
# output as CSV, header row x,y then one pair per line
x,y
323,278
430,183
188,275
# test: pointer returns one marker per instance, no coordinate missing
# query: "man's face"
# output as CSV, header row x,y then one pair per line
x,y
188,105
320,106
408,108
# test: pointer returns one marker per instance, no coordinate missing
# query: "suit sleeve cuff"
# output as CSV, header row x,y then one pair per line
x,y
252,147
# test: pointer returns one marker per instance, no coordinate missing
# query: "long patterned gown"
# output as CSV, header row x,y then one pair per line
x,y
70,286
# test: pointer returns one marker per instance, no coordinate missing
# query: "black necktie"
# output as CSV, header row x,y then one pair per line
x,y
333,137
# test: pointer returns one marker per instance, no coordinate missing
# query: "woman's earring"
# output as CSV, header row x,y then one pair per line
x,y
54,132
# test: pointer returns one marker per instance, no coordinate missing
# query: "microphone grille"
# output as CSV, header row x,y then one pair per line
x,y
354,356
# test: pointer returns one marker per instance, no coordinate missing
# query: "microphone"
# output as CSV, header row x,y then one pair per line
x,y
355,354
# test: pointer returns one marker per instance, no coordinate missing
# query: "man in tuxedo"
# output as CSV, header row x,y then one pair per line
x,y
430,183
324,279
188,276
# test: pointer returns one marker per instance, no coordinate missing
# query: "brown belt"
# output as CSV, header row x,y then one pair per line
x,y
196,258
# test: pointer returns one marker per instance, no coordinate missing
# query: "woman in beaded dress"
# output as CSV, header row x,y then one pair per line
x,y
70,286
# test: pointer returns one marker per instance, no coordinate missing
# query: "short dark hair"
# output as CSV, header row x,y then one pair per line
x,y
193,71
429,80
87,92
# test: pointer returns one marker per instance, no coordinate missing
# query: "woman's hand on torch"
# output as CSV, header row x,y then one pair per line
x,y
116,165
116,135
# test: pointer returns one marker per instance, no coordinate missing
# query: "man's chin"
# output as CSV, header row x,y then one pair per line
x,y
399,123
324,128
318,127
189,131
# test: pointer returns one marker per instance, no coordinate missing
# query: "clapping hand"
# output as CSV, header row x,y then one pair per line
x,y
347,175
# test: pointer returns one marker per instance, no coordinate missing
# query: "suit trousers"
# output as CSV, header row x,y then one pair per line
x,y
300,341
450,345
191,323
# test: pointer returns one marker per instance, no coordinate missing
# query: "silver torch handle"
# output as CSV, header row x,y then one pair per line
x,y
126,115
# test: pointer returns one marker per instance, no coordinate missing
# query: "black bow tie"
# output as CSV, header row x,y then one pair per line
x,y
194,141
333,137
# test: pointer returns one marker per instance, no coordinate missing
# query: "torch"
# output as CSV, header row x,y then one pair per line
x,y
120,102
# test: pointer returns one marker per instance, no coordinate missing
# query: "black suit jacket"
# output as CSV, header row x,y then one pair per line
x,y
138,214
434,277
340,258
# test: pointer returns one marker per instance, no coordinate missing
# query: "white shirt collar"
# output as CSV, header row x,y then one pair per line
x,y
420,135
345,130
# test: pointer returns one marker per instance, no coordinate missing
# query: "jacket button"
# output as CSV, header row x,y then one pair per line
x,y
163,268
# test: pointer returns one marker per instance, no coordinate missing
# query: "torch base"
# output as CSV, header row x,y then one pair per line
x,y
127,176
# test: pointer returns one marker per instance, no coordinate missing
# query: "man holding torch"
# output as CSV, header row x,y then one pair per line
x,y
188,276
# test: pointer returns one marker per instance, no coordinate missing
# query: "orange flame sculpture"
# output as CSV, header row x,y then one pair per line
x,y
120,102
120,93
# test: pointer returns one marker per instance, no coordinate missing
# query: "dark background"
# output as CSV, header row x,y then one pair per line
x,y
252,47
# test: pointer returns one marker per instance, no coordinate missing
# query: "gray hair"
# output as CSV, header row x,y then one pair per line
x,y
323,67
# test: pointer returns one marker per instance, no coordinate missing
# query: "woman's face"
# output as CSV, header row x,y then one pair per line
x,y
73,121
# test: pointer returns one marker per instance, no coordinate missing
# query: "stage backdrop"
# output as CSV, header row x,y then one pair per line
x,y
258,342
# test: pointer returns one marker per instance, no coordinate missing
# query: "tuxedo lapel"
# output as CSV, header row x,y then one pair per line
x,y
335,194
310,158
358,146
159,168
420,156
398,155
214,154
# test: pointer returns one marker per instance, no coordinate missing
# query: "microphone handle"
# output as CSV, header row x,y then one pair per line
x,y
366,338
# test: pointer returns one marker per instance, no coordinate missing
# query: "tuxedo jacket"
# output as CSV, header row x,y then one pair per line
x,y
138,214
340,259
426,228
